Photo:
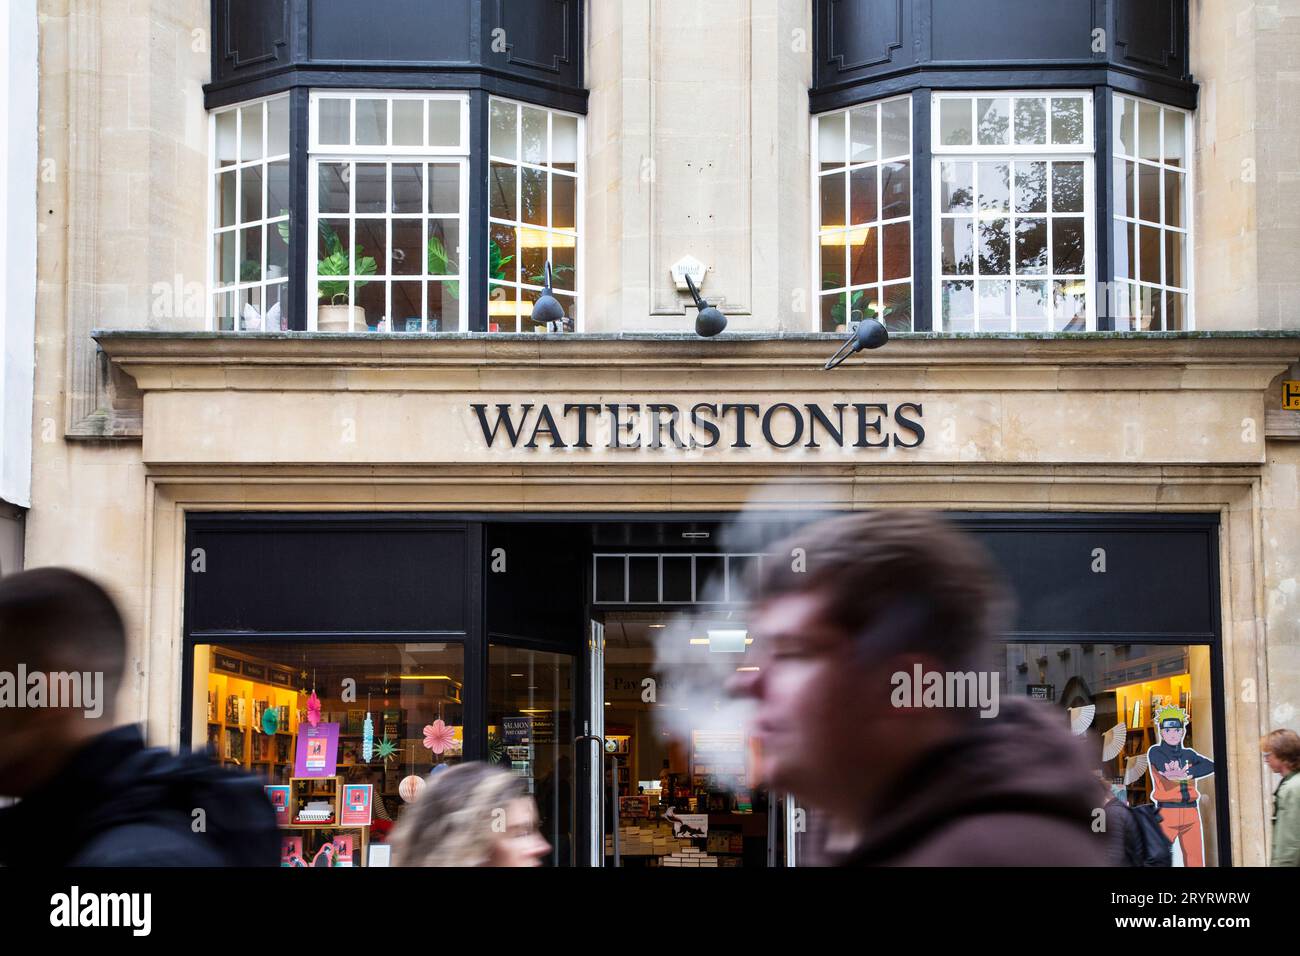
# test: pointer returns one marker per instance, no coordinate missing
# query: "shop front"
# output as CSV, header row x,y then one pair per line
x,y
370,558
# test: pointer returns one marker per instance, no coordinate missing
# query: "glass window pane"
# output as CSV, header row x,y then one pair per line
x,y
277,188
897,251
227,213
995,186
1149,254
408,122
864,264
955,121
994,121
371,300
503,134
333,181
896,190
564,255
898,307
956,186
832,200
444,125
862,195
1174,198
830,140
409,250
995,247
534,135
1126,125
407,307
408,188
564,142
250,185
1067,187
277,249
1175,138
1125,197
442,306
277,126
1068,245
834,260
835,310
957,305
1031,246
1031,187
532,194
1031,121
444,256
1067,120
1148,306
1149,132
250,254
227,134
250,119
503,252
1123,251
1148,192
895,129
502,190
372,122
995,306
1031,306
1175,311
333,243
444,188
371,182
1175,246
564,201
1069,306
957,246
862,135
334,121
226,257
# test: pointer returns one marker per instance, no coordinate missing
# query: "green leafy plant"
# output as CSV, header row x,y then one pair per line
x,y
441,263
849,307
336,263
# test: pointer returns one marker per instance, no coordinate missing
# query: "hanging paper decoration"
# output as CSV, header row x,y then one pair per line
x,y
410,787
1135,770
438,737
386,749
313,709
270,721
1081,718
367,739
496,749
1113,741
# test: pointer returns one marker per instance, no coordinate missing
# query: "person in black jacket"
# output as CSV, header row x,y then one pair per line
x,y
90,794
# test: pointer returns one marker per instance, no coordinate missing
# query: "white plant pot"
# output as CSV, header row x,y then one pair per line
x,y
335,318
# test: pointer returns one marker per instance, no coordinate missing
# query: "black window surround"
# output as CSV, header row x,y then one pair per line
x,y
867,50
524,50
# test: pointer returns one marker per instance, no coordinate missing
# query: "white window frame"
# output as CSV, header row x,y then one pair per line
x,y
1084,152
579,213
215,171
1189,195
388,155
817,175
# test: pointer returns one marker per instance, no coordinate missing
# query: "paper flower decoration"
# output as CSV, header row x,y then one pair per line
x,y
1113,741
270,721
410,787
1081,718
313,709
1137,767
438,736
386,749
367,739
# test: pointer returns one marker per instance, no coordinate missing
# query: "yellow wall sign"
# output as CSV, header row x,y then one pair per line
x,y
1291,394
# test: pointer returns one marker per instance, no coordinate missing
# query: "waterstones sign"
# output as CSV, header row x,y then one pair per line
x,y
703,426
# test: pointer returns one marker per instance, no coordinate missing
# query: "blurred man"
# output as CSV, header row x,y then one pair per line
x,y
874,633
90,795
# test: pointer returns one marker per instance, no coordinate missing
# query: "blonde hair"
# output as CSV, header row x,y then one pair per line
x,y
457,818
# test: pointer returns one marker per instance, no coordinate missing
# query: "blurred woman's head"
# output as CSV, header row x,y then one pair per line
x,y
470,815
1282,750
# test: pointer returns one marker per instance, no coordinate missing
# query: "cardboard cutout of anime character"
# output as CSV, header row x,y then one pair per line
x,y
1174,772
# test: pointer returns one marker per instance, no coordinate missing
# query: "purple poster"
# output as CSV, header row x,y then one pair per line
x,y
318,750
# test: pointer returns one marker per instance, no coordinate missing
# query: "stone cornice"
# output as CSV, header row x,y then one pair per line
x,y
484,362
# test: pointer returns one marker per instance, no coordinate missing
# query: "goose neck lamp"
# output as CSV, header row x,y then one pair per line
x,y
870,334
547,310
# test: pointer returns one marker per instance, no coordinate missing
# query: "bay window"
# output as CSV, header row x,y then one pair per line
x,y
389,175
1012,182
863,164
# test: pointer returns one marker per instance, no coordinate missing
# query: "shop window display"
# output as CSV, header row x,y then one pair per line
x,y
343,733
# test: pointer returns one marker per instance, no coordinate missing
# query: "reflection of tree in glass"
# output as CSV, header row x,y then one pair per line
x,y
1031,121
1067,187
995,247
1067,121
993,126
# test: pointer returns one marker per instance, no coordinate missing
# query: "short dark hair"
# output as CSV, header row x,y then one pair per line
x,y
1284,745
936,582
57,619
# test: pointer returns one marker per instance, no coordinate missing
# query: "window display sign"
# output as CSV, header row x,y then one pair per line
x,y
517,730
279,797
318,750
357,804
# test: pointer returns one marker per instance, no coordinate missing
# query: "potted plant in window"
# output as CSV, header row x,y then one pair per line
x,y
440,264
335,314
